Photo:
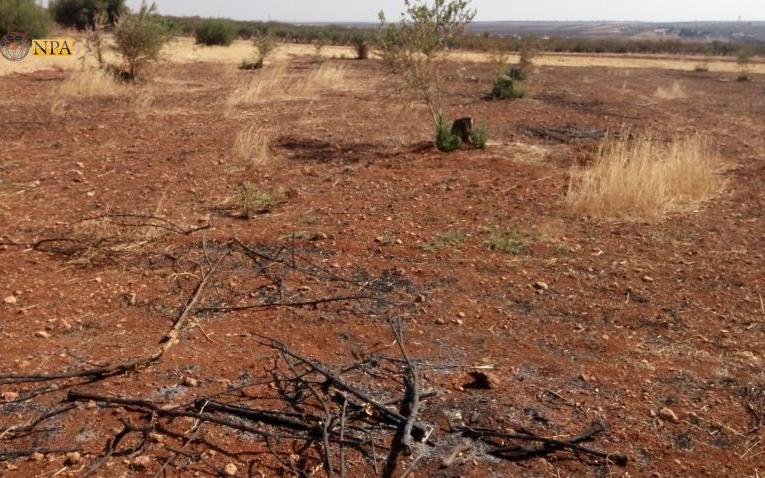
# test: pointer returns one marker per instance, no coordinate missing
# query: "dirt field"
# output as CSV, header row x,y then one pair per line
x,y
183,50
657,329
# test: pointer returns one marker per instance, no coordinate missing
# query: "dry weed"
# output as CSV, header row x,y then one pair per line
x,y
252,147
645,178
673,92
277,83
89,82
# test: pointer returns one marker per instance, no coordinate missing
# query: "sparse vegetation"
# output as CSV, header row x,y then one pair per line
x,y
673,92
215,31
446,141
506,241
139,38
701,68
23,16
645,178
450,238
88,82
480,136
252,147
278,84
253,201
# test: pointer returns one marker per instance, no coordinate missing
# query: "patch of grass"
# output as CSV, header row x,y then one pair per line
x,y
276,83
445,140
507,241
252,200
480,136
252,147
701,68
89,82
673,92
645,178
450,238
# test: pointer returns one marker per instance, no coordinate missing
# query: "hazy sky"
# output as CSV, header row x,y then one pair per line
x,y
366,10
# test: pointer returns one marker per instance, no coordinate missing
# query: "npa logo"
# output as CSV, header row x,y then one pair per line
x,y
16,46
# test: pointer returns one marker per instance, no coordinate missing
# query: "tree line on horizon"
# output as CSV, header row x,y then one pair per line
x,y
27,16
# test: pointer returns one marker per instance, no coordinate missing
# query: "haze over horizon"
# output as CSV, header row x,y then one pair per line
x,y
307,11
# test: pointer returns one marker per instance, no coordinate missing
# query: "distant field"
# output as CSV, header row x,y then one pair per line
x,y
183,50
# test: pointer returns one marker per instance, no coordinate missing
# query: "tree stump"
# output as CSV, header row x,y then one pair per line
x,y
463,128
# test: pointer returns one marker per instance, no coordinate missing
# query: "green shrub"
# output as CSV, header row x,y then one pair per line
x,y
445,140
509,242
254,201
215,31
23,16
81,14
480,136
139,38
507,88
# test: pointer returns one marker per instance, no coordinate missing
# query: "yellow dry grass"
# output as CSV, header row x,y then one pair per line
x,y
252,147
644,178
183,50
673,92
275,82
88,82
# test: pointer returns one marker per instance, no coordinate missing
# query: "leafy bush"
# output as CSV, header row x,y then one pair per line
x,y
215,31
139,38
23,16
479,136
264,44
445,140
505,87
81,14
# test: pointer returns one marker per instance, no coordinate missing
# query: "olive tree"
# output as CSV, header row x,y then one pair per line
x,y
416,48
139,38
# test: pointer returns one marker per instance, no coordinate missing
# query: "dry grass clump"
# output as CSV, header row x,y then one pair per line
x,y
252,147
673,92
277,83
645,178
89,82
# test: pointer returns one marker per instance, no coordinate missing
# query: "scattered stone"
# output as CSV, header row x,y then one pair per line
x,y
648,278
190,382
230,470
420,299
440,321
36,456
10,300
72,458
668,415
539,285
9,396
156,437
461,315
459,322
484,380
42,334
141,462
